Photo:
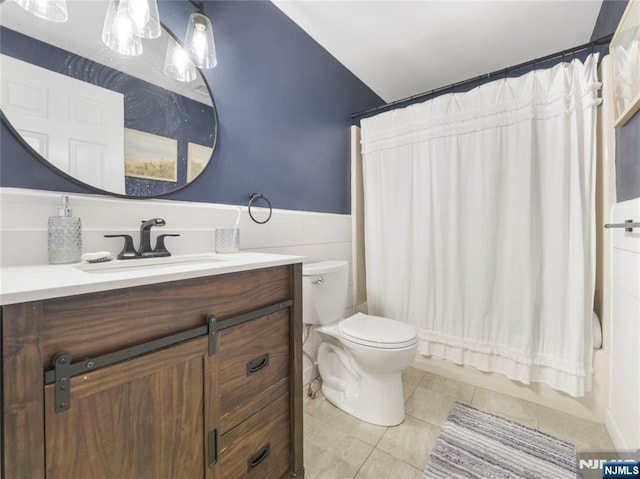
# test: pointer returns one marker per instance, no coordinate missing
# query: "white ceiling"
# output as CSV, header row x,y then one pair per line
x,y
402,48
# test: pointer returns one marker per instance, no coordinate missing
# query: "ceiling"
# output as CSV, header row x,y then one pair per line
x,y
403,48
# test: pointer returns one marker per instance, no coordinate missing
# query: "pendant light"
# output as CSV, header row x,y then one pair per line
x,y
199,39
144,14
119,31
53,10
177,63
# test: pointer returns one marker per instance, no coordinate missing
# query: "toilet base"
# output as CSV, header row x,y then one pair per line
x,y
375,398
381,404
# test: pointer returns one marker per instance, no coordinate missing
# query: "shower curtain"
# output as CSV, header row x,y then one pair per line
x,y
479,223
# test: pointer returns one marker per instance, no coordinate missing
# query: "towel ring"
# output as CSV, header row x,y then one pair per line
x,y
254,197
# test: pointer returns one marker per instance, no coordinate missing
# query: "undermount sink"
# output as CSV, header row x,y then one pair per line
x,y
120,266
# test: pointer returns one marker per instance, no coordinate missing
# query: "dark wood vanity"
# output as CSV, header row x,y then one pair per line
x,y
197,378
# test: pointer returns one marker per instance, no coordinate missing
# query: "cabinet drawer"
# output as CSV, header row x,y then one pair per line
x,y
259,446
89,325
254,366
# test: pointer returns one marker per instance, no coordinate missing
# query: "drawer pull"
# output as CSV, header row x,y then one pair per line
x,y
257,458
213,447
257,364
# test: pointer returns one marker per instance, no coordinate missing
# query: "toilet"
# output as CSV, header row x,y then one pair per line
x,y
360,358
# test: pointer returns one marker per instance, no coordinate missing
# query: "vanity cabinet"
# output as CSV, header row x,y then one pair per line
x,y
197,378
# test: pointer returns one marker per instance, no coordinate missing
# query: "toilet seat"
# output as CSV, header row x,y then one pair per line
x,y
377,332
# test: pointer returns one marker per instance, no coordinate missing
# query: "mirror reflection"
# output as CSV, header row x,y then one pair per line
x,y
120,124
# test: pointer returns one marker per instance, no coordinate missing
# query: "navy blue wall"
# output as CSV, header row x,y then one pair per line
x,y
628,160
608,18
283,104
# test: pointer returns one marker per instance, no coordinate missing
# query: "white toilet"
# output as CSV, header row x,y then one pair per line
x,y
361,358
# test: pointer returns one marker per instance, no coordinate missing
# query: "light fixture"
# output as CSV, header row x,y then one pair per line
x,y
144,14
127,21
199,39
119,30
177,63
199,49
53,10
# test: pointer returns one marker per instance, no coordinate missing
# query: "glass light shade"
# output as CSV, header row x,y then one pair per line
x,y
199,41
144,14
119,31
53,10
177,63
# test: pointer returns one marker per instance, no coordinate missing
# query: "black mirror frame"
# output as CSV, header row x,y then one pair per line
x,y
5,121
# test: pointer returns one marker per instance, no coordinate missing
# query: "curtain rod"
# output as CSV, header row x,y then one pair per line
x,y
600,41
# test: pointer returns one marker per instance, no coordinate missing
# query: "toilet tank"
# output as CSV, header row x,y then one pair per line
x,y
324,291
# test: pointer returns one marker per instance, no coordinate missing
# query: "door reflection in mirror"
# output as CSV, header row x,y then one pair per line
x,y
72,109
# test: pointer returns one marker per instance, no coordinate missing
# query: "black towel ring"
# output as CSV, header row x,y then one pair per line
x,y
254,197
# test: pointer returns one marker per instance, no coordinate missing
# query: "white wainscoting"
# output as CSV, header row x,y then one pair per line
x,y
24,214
623,414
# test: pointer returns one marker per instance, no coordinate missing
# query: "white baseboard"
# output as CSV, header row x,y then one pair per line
x,y
586,408
614,431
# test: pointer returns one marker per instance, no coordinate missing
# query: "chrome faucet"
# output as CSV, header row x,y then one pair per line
x,y
144,251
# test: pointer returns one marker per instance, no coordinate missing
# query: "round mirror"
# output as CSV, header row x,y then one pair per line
x,y
118,124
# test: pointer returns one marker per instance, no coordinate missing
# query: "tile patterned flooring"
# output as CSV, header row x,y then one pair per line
x,y
339,446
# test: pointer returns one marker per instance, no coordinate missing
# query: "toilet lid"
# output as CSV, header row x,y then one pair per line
x,y
377,331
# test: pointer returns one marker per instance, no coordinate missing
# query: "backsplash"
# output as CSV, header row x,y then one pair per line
x,y
24,214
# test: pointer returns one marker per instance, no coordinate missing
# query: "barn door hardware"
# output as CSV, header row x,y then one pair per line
x,y
62,372
63,369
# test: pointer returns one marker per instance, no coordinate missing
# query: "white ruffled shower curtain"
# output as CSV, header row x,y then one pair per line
x,y
479,223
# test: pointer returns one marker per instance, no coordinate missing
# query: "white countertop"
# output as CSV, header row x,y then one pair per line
x,y
31,283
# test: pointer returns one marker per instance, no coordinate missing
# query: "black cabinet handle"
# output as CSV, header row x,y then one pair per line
x,y
257,364
213,447
258,457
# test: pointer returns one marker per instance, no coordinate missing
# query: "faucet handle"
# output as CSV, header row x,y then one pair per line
x,y
160,246
152,222
129,250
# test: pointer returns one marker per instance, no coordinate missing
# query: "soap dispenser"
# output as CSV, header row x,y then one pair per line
x,y
65,236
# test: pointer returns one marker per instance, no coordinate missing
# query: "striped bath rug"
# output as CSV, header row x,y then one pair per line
x,y
477,445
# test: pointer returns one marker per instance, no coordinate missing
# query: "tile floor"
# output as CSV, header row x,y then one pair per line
x,y
339,446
